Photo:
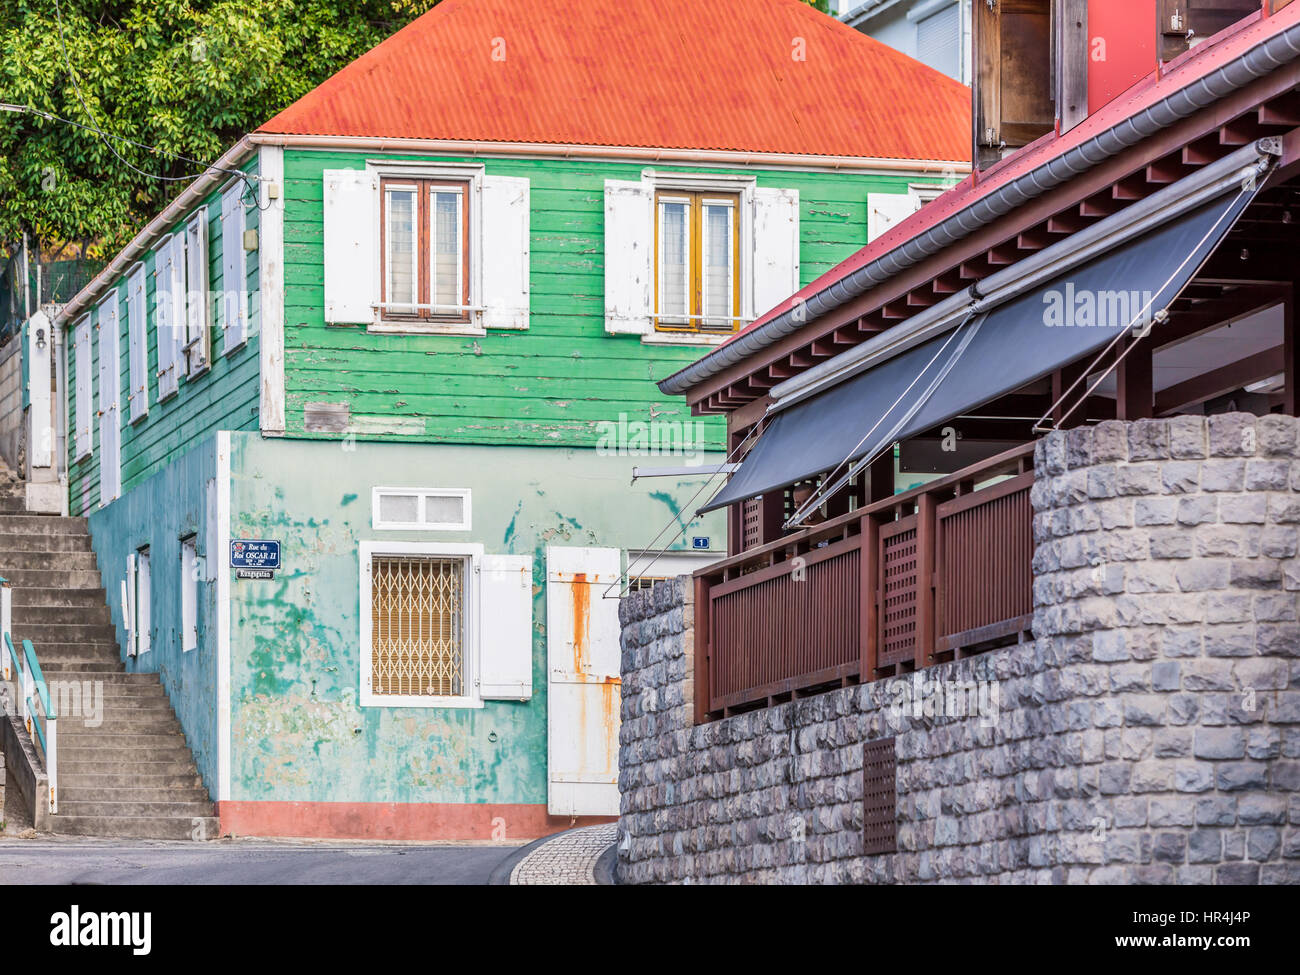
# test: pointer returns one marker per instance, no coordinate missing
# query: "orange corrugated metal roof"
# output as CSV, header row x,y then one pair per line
x,y
674,74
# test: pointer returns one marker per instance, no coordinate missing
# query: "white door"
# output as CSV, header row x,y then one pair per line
x,y
584,696
110,427
40,339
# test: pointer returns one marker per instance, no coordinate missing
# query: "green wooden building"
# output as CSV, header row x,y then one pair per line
x,y
407,334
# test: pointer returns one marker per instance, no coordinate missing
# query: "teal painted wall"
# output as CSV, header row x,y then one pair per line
x,y
552,383
158,511
226,397
299,732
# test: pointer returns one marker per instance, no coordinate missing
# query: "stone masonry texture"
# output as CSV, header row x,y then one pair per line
x,y
1149,732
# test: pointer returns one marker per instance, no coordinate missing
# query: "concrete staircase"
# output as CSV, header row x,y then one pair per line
x,y
131,774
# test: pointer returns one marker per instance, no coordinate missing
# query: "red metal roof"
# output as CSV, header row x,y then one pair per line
x,y
1199,62
676,74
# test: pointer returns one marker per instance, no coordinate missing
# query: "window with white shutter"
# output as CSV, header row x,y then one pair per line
x,y
506,229
110,381
938,39
693,255
189,584
137,394
142,613
884,210
196,348
351,220
506,671
232,308
169,311
629,256
85,405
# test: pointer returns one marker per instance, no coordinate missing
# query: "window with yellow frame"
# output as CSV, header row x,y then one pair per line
x,y
697,261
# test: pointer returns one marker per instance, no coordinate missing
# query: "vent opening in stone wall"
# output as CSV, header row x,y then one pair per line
x,y
879,800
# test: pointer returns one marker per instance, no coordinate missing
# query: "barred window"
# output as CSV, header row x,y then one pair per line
x,y
418,631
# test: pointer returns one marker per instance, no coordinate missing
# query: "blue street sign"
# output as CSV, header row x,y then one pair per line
x,y
700,541
247,553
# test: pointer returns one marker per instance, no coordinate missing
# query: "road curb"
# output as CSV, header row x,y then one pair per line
x,y
500,876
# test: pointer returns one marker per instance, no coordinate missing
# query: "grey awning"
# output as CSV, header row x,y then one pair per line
x,y
988,357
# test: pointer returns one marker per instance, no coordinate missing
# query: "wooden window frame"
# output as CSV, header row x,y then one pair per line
x,y
697,201
424,188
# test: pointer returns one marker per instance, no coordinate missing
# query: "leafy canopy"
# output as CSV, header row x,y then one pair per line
x,y
187,76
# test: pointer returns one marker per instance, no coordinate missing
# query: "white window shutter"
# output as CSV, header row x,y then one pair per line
x,y
884,210
169,310
137,343
351,242
505,252
233,308
85,408
196,292
776,246
128,608
506,644
629,264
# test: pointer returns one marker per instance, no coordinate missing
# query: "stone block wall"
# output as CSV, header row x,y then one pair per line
x,y
1150,732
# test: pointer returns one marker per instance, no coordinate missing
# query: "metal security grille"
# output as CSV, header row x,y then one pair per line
x,y
641,583
417,625
879,800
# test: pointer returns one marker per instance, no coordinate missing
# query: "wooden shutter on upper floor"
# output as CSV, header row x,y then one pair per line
x,y
505,251
884,210
197,315
776,247
233,307
85,404
137,326
1202,18
351,242
1012,76
629,258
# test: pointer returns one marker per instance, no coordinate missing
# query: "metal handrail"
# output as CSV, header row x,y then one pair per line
x,y
33,690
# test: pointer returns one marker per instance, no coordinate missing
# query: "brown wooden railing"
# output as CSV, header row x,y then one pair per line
x,y
897,585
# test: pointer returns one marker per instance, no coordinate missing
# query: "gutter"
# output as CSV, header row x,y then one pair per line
x,y
460,147
1270,54
155,228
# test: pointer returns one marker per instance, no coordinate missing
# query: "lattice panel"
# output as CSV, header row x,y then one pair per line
x,y
898,595
751,523
879,800
417,625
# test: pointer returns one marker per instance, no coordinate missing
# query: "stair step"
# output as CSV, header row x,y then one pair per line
x,y
47,578
43,542
135,754
32,616
55,561
137,770
42,633
42,525
129,743
175,793
138,827
132,808
54,669
57,596
120,677
128,780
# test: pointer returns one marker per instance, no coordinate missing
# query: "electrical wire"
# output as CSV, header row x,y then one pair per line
x,y
674,521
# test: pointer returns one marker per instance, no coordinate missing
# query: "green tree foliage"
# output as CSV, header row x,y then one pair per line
x,y
186,76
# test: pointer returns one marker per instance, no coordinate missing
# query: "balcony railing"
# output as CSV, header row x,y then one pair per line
x,y
937,572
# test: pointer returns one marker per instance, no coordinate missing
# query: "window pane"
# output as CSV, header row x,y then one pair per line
x,y
399,508
718,276
446,252
441,509
399,256
673,268
417,625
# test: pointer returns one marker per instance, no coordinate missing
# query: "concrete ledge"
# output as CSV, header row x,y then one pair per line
x,y
25,767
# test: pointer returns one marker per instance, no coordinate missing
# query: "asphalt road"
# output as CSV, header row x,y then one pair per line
x,y
73,861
